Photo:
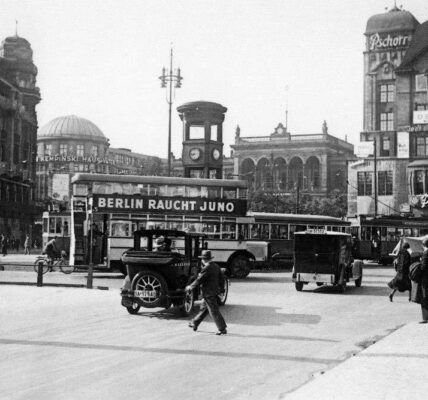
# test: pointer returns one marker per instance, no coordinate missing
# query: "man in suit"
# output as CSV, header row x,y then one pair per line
x,y
211,280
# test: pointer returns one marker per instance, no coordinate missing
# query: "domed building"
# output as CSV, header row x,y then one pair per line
x,y
70,144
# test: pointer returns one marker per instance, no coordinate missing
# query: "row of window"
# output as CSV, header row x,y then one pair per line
x,y
65,149
384,183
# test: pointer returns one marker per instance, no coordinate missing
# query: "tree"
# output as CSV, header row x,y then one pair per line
x,y
335,205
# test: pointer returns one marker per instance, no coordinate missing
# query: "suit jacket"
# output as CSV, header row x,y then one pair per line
x,y
210,279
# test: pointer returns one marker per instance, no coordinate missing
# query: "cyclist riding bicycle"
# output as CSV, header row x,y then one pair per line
x,y
51,250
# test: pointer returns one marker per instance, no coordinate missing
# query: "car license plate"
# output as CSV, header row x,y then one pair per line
x,y
146,293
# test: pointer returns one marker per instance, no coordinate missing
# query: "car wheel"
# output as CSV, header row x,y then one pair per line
x,y
134,308
188,302
320,284
299,286
222,297
155,286
240,266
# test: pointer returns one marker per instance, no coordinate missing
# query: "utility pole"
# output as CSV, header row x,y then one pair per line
x,y
170,77
375,174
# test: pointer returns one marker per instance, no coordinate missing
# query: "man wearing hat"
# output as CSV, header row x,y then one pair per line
x,y
211,280
424,283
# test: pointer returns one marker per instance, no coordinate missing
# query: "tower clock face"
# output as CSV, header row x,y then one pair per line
x,y
194,154
216,154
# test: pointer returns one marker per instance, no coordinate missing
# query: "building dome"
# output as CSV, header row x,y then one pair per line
x,y
71,126
395,20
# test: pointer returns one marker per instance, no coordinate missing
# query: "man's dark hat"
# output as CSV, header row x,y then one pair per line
x,y
206,255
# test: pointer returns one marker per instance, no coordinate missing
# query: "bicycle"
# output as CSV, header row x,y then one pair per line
x,y
49,264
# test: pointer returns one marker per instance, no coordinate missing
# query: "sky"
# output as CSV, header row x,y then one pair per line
x,y
101,60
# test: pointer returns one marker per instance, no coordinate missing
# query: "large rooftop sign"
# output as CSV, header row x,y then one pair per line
x,y
167,205
384,41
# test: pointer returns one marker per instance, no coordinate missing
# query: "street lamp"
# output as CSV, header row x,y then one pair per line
x,y
169,78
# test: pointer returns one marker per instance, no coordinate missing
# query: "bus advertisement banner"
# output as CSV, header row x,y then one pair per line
x,y
168,205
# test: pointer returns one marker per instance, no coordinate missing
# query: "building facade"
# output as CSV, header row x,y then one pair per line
x,y
393,179
71,144
19,97
282,163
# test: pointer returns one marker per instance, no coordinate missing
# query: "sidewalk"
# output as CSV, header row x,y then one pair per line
x,y
395,368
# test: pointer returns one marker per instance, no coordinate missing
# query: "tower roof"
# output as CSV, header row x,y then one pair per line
x,y
418,45
395,20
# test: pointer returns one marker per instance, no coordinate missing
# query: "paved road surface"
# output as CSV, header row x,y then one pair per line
x,y
62,343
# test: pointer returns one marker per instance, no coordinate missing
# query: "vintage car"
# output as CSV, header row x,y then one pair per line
x,y
324,257
157,275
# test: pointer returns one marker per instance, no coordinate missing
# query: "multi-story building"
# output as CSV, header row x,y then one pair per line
x,y
394,179
71,144
282,163
18,131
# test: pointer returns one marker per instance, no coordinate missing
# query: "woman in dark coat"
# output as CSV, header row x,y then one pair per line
x,y
401,281
420,288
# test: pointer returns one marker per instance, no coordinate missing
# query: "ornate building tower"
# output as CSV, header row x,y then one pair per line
x,y
202,139
18,133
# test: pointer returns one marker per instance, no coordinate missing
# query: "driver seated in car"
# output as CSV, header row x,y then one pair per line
x,y
162,244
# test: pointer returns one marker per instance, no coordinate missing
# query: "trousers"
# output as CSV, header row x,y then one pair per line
x,y
209,305
424,312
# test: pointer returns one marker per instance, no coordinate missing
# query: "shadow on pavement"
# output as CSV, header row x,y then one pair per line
x,y
242,315
265,278
350,290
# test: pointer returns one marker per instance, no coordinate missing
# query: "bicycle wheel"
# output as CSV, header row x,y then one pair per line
x,y
45,266
65,266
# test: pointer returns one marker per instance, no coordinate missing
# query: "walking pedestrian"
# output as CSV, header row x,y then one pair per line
x,y
420,286
3,244
211,280
27,244
401,281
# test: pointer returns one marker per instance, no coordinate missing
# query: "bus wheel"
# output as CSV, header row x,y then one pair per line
x,y
299,286
153,287
240,266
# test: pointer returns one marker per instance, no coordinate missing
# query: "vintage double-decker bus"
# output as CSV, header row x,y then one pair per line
x,y
109,208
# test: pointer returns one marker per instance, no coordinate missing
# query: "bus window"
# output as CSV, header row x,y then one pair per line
x,y
383,235
192,191
143,189
296,228
229,230
214,193
408,232
279,231
229,194
415,232
119,228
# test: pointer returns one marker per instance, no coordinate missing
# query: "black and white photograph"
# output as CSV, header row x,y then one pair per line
x,y
213,199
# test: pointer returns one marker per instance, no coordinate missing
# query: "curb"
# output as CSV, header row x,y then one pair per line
x,y
68,285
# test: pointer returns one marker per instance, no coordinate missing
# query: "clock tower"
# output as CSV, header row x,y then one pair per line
x,y
202,139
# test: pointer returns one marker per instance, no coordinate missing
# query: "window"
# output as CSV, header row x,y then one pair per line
x,y
79,150
365,183
48,150
421,146
384,183
62,149
420,82
196,132
419,182
94,151
387,121
387,93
